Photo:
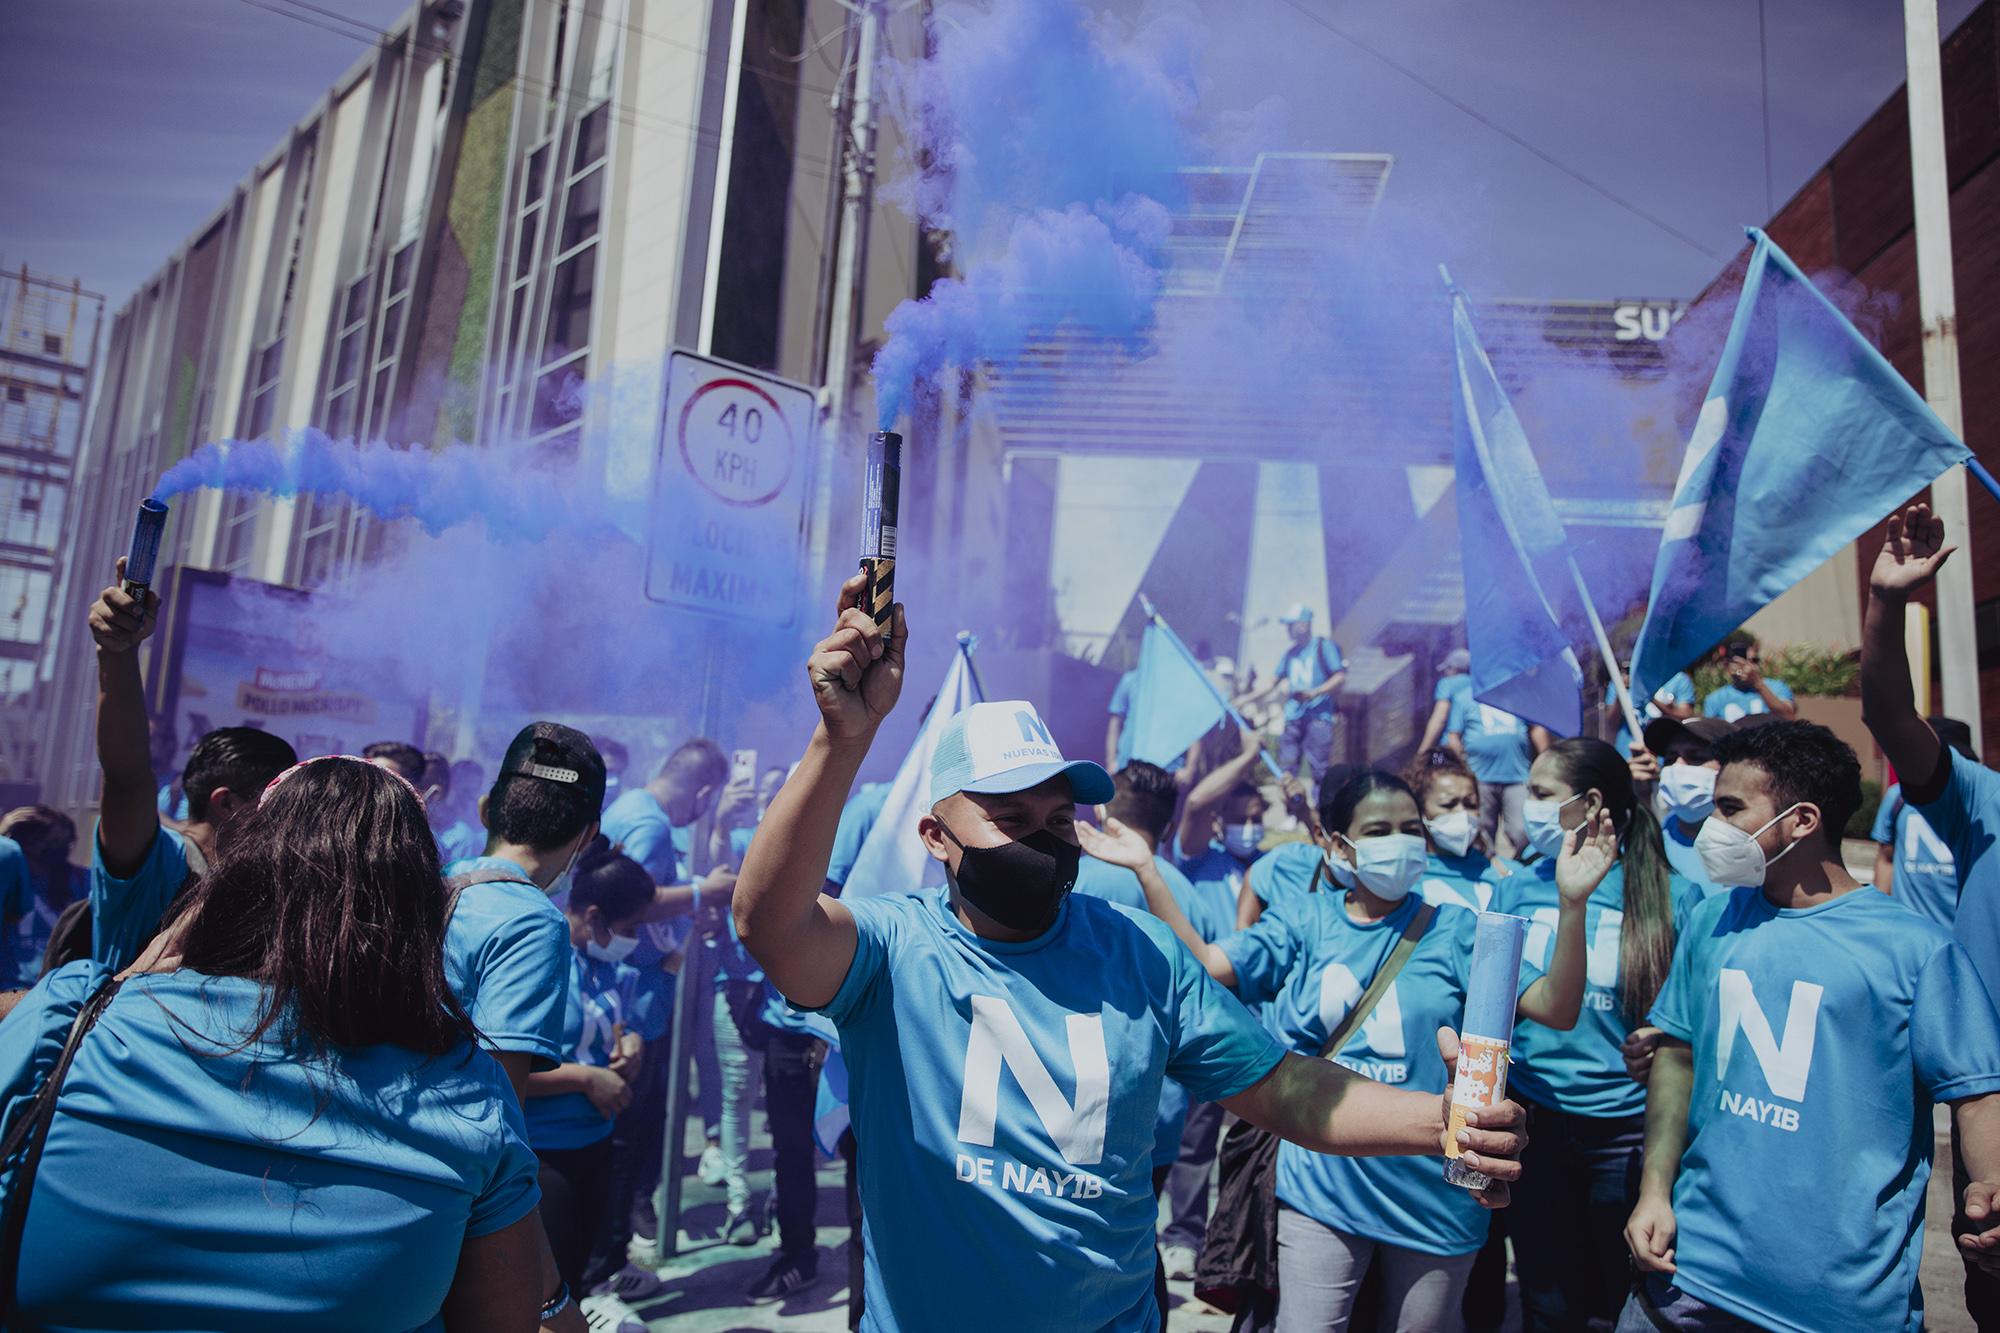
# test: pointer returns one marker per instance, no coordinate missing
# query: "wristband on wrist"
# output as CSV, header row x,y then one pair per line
x,y
556,1303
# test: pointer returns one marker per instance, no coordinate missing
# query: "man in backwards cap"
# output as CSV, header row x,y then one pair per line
x,y
1005,1040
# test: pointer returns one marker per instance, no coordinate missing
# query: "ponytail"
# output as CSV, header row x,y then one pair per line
x,y
1646,939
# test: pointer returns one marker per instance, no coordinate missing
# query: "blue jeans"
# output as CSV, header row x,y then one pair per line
x,y
1659,1305
1579,1181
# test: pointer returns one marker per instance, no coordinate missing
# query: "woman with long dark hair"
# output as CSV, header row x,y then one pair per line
x,y
284,1120
1314,959
1581,1171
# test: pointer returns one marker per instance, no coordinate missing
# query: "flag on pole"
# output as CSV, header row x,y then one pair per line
x,y
1514,548
1807,439
892,857
1173,703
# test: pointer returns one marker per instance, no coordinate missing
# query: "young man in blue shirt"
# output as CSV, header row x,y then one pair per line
x,y
1809,1025
1308,677
1006,1041
1749,692
1912,863
1957,795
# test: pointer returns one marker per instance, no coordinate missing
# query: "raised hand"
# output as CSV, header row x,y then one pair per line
x,y
1588,852
1912,552
1644,766
120,622
1114,844
857,671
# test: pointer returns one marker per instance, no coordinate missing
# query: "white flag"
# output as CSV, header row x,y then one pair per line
x,y
892,857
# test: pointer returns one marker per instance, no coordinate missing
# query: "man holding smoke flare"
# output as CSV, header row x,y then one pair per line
x,y
1035,1176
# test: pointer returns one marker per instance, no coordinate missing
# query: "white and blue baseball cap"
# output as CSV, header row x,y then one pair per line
x,y
1295,613
1005,746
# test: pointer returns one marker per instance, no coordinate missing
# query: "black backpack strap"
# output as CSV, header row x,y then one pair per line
x,y
465,879
26,1139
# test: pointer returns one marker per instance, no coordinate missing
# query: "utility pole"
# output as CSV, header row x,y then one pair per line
x,y
1930,188
854,127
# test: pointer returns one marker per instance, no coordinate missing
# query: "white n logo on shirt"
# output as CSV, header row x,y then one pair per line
x,y
1339,988
1785,1064
1922,845
998,1038
1600,962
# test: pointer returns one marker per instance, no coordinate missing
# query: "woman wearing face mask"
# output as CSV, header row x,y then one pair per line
x,y
571,1108
1460,873
1313,959
1567,1219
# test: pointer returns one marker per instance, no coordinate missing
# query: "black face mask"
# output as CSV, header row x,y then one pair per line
x,y
1019,884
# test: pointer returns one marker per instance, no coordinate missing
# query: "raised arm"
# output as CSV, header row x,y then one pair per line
x,y
1650,1232
804,940
129,815
1117,845
1198,811
1912,553
1588,853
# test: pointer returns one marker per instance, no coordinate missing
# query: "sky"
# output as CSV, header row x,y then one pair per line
x,y
130,120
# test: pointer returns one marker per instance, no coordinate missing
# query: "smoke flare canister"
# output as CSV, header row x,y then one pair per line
x,y
145,552
1486,1036
878,524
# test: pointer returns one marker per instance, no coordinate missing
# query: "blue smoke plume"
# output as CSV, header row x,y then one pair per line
x,y
439,489
1044,239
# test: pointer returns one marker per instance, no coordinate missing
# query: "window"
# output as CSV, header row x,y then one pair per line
x,y
590,137
17,393
340,414
52,344
239,531
261,395
568,328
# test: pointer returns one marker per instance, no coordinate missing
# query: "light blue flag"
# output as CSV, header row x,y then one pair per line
x,y
1173,704
1514,548
892,858
1807,439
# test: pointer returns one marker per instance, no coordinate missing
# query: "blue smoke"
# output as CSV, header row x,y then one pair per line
x,y
440,489
1024,122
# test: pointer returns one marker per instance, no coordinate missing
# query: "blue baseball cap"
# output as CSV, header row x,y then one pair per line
x,y
1005,746
1296,613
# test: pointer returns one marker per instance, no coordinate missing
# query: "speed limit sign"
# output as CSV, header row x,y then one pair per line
x,y
730,486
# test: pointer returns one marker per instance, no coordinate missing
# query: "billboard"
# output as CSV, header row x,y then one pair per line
x,y
233,652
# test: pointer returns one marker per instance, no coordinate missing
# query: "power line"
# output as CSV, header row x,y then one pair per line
x,y
1506,133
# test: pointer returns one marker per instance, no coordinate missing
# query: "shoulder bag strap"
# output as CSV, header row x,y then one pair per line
x,y
31,1132
1407,945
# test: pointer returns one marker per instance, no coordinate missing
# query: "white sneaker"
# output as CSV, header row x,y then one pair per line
x,y
711,1169
608,1314
1180,1262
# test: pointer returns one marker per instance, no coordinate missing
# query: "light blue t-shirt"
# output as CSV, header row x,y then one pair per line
x,y
125,913
857,821
1286,872
1822,1036
1116,884
1497,748
1218,880
192,1183
1679,689
1121,695
601,1001
1579,1071
459,841
1966,815
19,902
1926,877
1464,881
1005,1095
1730,703
637,825
1306,666
506,958
1312,962
1449,688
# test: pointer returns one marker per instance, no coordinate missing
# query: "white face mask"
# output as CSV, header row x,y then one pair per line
x,y
1735,859
1241,840
1687,792
1338,870
559,887
1543,820
1389,866
1454,832
617,951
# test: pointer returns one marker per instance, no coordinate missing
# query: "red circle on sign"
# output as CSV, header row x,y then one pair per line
x,y
764,497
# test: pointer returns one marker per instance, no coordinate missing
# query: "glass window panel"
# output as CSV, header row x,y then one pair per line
x,y
569,306
538,167
586,199
590,133
558,397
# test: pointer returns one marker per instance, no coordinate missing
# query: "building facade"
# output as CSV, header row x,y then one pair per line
x,y
493,229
